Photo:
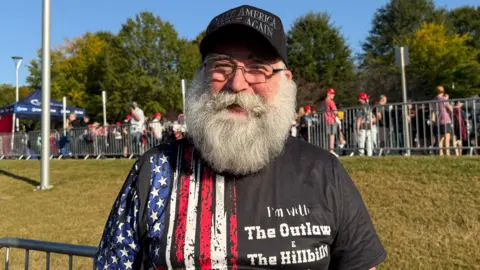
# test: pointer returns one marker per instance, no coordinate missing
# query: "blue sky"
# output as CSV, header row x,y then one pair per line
x,y
21,20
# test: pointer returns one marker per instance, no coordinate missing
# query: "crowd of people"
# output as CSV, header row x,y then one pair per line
x,y
131,136
443,126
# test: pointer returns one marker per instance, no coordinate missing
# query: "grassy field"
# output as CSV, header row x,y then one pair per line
x,y
426,209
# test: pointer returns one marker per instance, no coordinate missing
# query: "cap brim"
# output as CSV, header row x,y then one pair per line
x,y
234,31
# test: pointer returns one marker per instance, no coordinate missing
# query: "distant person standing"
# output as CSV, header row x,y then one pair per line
x,y
442,120
137,124
460,132
383,119
179,127
364,126
67,140
331,119
156,129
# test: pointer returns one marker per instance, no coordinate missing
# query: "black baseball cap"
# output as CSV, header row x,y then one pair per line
x,y
243,20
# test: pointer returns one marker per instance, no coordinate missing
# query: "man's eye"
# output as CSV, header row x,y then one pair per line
x,y
224,68
258,67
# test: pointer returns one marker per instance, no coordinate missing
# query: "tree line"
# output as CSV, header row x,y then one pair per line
x,y
146,59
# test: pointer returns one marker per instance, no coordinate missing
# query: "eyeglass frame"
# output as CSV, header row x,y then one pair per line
x,y
216,57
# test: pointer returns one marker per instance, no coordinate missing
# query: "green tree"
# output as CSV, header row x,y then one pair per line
x,y
7,94
189,59
34,79
394,22
110,73
466,20
319,58
440,58
151,50
392,25
199,37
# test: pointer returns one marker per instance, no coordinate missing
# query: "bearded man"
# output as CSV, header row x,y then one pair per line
x,y
239,193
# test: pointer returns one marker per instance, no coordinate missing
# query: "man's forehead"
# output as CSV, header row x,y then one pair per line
x,y
243,50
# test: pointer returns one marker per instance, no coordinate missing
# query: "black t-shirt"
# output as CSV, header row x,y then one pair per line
x,y
300,212
77,123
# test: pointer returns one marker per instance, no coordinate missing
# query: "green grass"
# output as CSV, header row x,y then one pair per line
x,y
425,209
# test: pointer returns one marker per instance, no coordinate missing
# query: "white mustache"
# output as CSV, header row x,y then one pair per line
x,y
252,103
220,138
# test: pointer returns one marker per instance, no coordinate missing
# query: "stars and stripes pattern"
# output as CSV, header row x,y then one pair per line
x,y
157,203
120,241
191,217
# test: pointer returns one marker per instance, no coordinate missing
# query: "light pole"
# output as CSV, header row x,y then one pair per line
x,y
402,60
18,61
45,156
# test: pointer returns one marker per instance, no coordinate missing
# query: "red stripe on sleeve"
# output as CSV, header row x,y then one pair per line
x,y
206,219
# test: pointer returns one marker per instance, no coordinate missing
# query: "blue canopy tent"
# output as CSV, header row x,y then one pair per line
x,y
31,108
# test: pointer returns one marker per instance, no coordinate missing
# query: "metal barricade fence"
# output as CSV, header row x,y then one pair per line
x,y
13,145
34,143
48,247
432,127
336,128
110,141
443,127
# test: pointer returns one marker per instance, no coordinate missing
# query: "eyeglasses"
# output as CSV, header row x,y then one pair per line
x,y
222,68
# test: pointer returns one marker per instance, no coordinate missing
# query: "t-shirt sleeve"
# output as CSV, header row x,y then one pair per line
x,y
331,105
120,243
359,113
140,114
356,244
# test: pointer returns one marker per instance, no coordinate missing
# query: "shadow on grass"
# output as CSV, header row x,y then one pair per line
x,y
21,178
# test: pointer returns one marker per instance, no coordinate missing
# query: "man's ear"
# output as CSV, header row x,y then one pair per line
x,y
288,74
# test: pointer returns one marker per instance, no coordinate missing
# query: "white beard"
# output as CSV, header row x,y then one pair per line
x,y
238,144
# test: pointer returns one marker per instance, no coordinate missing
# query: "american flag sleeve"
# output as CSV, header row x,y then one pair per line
x,y
120,242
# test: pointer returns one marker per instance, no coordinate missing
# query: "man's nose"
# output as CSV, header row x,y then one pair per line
x,y
237,82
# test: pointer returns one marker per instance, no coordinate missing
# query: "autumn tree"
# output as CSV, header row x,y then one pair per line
x,y
144,62
440,58
34,79
71,68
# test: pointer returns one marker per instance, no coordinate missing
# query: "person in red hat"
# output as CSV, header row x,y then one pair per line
x,y
239,192
331,119
364,126
156,130
305,122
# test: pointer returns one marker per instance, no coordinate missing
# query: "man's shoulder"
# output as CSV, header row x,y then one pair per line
x,y
305,152
169,150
